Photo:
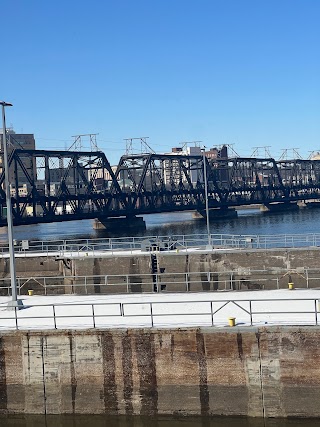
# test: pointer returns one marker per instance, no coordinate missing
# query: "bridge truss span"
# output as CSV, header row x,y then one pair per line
x,y
48,186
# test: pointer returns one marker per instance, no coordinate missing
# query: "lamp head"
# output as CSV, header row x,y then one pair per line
x,y
5,104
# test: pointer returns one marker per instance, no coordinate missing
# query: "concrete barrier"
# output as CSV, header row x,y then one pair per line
x,y
257,372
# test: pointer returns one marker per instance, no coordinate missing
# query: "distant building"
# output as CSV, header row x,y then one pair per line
x,y
73,180
219,167
101,177
217,153
23,141
315,156
172,170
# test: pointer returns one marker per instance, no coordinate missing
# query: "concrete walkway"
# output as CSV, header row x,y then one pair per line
x,y
274,307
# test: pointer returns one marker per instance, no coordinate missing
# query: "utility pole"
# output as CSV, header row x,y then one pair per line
x,y
144,146
205,178
15,303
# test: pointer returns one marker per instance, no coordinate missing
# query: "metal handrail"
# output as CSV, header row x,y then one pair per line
x,y
233,279
153,315
132,244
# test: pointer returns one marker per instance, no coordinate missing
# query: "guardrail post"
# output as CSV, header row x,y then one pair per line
x,y
250,309
151,314
54,317
127,280
211,313
307,278
16,317
316,311
277,279
93,318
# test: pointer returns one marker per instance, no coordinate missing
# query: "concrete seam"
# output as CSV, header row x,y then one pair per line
x,y
43,376
261,379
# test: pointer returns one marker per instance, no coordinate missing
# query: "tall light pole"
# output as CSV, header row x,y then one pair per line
x,y
14,303
205,178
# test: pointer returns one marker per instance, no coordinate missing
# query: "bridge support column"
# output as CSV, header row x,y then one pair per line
x,y
279,207
215,214
313,205
119,223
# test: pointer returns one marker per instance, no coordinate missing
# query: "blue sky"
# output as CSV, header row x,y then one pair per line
x,y
221,71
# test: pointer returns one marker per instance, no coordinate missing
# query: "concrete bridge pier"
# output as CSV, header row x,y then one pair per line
x,y
313,204
279,207
119,223
217,213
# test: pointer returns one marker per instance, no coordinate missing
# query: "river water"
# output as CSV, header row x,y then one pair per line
x,y
249,221
119,421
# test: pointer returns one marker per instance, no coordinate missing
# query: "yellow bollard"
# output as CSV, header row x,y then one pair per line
x,y
232,321
30,292
290,286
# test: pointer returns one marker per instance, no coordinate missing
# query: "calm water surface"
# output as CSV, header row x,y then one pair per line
x,y
107,421
248,222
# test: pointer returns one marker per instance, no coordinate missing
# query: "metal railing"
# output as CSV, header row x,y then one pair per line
x,y
248,312
164,243
166,282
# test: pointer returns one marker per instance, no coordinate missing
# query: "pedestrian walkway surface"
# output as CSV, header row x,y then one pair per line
x,y
272,307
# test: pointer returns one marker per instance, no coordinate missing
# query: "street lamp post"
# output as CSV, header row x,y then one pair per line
x,y
205,178
14,303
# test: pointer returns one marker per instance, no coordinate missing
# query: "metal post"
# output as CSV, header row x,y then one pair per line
x,y
211,313
93,318
54,316
14,303
151,314
205,178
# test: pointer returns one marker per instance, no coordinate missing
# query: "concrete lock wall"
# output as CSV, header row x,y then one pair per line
x,y
194,265
258,372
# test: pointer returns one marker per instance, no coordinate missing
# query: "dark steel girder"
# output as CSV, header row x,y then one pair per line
x,y
50,186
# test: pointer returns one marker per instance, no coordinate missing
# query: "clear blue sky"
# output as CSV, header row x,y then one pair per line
x,y
243,72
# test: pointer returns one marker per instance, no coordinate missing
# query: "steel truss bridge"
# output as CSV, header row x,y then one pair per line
x,y
49,186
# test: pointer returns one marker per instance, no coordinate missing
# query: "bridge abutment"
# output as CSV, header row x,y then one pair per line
x,y
215,214
312,204
119,223
279,207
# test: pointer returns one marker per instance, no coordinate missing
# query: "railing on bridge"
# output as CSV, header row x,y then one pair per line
x,y
188,313
81,247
